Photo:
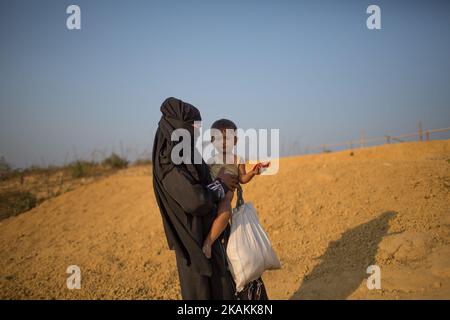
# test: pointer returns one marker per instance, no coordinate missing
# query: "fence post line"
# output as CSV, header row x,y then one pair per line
x,y
420,131
379,140
363,138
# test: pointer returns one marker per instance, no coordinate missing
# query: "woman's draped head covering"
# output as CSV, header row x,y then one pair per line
x,y
177,114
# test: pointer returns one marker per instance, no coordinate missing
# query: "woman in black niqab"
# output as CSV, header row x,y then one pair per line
x,y
187,200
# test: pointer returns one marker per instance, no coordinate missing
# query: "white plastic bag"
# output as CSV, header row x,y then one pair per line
x,y
249,250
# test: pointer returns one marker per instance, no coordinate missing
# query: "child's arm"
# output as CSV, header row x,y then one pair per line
x,y
246,177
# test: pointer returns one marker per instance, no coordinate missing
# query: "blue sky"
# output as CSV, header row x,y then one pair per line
x,y
310,68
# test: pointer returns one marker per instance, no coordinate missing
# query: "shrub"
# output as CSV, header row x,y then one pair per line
x,y
143,162
40,170
5,169
13,203
116,162
79,168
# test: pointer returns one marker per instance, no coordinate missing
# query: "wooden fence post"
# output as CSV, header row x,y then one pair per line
x,y
420,131
363,138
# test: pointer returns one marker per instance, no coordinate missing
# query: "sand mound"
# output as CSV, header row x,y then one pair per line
x,y
329,217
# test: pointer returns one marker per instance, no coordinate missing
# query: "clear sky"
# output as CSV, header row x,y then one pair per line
x,y
310,68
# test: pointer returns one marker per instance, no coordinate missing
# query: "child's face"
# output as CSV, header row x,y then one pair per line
x,y
225,140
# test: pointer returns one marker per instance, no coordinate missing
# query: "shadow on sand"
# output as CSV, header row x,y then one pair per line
x,y
344,263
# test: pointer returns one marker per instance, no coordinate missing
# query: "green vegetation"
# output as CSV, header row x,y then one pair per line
x,y
5,169
143,162
80,168
13,203
23,189
115,162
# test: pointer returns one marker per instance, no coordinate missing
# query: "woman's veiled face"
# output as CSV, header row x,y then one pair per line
x,y
178,120
184,113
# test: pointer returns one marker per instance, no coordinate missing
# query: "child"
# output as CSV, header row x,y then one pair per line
x,y
224,139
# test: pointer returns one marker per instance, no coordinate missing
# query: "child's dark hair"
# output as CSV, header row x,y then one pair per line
x,y
224,124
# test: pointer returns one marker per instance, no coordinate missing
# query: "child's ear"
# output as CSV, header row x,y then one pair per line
x,y
212,139
235,140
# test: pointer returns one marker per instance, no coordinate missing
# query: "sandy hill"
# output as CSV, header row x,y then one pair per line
x,y
329,217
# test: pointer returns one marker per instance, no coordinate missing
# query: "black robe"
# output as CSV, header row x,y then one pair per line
x,y
188,208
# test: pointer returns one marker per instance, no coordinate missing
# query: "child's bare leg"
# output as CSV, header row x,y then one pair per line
x,y
219,223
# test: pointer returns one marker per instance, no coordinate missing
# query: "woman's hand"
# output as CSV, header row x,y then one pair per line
x,y
229,180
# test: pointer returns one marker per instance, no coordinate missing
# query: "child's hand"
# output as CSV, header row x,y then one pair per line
x,y
257,169
229,180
